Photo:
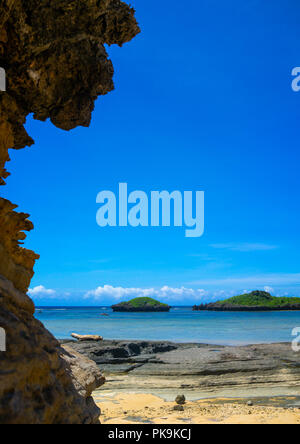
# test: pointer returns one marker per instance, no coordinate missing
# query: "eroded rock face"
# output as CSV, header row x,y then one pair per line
x,y
56,66
40,381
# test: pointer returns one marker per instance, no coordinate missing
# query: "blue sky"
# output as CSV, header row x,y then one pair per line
x,y
203,101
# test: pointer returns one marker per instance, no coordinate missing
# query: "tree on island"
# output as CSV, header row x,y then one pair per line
x,y
254,301
142,304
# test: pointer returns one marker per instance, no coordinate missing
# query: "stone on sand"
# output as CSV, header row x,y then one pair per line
x,y
180,400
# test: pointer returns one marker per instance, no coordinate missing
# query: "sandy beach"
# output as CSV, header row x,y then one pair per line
x,y
240,385
149,409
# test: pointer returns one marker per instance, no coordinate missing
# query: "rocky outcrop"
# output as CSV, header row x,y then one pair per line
x,y
121,356
196,370
144,309
56,66
141,304
40,381
231,307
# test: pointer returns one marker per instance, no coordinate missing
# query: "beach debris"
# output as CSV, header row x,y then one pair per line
x,y
178,408
249,403
87,337
180,400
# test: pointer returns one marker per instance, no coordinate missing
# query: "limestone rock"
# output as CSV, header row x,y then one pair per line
x,y
85,373
40,381
95,338
56,66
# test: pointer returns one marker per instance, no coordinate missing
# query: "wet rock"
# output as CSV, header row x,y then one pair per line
x,y
134,348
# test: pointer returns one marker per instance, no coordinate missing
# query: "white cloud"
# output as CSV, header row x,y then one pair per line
x,y
165,293
252,281
40,291
269,289
245,247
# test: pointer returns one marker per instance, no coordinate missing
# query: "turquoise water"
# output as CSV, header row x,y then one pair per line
x,y
181,324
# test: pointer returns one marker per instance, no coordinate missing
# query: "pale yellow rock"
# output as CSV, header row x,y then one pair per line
x,y
87,337
56,66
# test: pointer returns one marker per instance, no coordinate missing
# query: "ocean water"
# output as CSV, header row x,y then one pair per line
x,y
181,324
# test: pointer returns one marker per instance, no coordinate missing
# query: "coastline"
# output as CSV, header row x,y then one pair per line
x,y
180,325
151,372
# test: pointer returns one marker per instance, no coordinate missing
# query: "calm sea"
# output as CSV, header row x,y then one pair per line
x,y
181,324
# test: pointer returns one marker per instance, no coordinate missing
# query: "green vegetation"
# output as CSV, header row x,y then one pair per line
x,y
141,302
260,299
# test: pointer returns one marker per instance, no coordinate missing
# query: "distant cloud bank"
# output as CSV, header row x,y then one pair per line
x,y
203,291
168,294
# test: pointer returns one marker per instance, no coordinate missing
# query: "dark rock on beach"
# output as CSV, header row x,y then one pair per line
x,y
118,354
178,408
201,369
180,399
171,359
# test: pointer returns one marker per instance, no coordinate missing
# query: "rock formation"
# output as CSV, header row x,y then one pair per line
x,y
196,370
41,382
94,338
56,66
142,304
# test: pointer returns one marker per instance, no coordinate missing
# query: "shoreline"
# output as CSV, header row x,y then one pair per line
x,y
180,343
143,379
202,370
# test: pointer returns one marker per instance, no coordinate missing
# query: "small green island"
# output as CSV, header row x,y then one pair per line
x,y
254,301
141,305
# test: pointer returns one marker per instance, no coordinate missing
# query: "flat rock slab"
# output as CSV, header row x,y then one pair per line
x,y
166,358
197,370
